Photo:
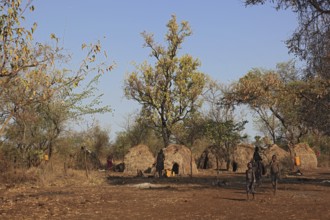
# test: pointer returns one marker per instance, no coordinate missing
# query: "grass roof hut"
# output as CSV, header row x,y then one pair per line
x,y
138,158
178,158
282,155
212,158
308,159
243,153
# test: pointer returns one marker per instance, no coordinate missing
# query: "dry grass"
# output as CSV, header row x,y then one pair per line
x,y
243,154
282,156
324,160
307,156
138,158
52,173
210,154
182,156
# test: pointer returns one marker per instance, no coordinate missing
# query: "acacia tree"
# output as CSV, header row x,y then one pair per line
x,y
38,123
17,54
271,90
221,126
36,97
169,91
311,43
267,123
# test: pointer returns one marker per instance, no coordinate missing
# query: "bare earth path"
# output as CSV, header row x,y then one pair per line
x,y
119,197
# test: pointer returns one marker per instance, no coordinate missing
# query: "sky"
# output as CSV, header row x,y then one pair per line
x,y
228,38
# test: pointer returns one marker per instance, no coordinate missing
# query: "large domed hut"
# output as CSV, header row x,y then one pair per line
x,y
178,159
138,158
307,156
212,158
282,156
242,154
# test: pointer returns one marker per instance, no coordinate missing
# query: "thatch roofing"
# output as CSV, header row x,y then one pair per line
x,y
282,156
307,156
208,159
138,158
243,153
180,155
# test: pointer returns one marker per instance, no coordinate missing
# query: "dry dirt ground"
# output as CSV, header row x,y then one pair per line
x,y
200,197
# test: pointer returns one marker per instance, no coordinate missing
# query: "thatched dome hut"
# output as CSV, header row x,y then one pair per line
x,y
208,159
307,156
282,156
138,158
243,153
179,159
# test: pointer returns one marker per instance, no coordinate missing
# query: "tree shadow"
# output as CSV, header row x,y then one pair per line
x,y
224,181
235,199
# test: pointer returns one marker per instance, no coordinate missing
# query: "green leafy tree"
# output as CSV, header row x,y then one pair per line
x,y
169,91
136,131
311,43
221,126
272,91
37,99
190,130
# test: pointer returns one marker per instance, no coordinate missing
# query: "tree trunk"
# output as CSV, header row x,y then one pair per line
x,y
191,160
86,168
218,169
166,136
6,122
50,150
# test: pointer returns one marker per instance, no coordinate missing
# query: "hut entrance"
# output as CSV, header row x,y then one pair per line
x,y
175,168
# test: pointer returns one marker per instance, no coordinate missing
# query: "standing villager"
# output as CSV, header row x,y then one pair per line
x,y
274,172
258,166
250,180
160,163
109,162
256,155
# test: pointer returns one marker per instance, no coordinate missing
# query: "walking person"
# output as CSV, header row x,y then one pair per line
x,y
274,172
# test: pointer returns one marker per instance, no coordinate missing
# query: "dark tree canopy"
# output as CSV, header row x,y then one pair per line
x,y
311,40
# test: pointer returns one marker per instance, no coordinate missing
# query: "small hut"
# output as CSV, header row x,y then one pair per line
x,y
243,153
138,158
178,159
307,156
282,156
212,158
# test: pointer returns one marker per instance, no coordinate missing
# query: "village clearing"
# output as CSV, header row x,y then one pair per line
x,y
204,196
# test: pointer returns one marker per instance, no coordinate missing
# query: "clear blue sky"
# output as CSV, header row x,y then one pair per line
x,y
228,38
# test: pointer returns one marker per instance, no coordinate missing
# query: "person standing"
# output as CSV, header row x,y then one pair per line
x,y
250,180
256,155
258,166
109,162
274,172
160,163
